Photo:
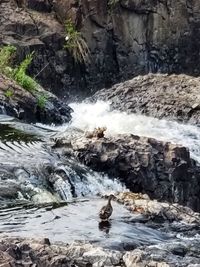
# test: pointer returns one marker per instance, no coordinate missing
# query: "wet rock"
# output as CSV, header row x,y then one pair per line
x,y
28,252
9,190
161,96
24,252
161,211
24,105
162,170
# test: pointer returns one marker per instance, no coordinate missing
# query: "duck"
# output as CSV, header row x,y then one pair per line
x,y
106,211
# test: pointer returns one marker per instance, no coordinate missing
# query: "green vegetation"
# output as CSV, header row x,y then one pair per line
x,y
9,93
20,76
18,73
113,3
6,56
41,101
75,43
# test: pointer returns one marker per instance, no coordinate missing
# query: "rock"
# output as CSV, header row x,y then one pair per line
x,y
162,170
125,39
158,211
29,251
162,96
24,105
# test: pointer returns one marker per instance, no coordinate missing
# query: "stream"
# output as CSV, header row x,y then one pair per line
x,y
45,194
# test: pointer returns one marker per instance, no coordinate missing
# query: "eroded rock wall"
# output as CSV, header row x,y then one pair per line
x,y
125,38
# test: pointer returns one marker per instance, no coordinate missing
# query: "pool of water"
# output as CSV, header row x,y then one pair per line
x,y
79,221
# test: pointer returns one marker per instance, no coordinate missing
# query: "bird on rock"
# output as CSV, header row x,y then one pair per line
x,y
106,211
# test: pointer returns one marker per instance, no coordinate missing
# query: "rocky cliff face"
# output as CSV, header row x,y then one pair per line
x,y
125,38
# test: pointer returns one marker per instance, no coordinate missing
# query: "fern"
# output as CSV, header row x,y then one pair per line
x,y
20,76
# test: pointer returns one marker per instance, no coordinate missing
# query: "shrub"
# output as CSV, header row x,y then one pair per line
x,y
75,43
9,93
6,56
112,4
20,76
41,101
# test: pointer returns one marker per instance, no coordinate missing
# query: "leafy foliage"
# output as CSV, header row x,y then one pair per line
x,y
9,93
6,55
41,101
113,3
20,76
18,73
75,43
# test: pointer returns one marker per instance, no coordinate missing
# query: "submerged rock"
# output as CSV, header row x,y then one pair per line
x,y
163,170
157,95
24,105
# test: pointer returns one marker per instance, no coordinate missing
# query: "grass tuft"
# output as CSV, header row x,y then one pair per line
x,y
75,43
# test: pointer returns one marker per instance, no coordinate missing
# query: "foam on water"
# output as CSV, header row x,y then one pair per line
x,y
89,116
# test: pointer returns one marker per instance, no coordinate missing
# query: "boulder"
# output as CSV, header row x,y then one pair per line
x,y
163,170
22,104
175,97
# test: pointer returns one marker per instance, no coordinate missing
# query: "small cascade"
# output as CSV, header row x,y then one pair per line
x,y
37,174
2,110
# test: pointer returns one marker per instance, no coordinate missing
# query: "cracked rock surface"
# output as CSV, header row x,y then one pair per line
x,y
174,97
161,169
125,39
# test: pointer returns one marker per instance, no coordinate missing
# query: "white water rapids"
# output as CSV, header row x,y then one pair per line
x,y
25,162
88,116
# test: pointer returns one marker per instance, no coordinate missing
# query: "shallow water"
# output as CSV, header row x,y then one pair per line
x,y
79,221
26,157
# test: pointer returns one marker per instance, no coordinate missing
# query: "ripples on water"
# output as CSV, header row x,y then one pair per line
x,y
79,221
25,162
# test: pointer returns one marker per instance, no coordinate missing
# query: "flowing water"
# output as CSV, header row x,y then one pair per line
x,y
31,173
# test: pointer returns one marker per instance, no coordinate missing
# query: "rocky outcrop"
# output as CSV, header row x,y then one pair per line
x,y
125,38
158,211
18,102
162,170
162,96
26,252
19,252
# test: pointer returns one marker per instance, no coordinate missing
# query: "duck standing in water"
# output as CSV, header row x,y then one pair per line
x,y
106,211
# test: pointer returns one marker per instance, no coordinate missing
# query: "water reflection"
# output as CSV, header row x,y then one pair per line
x,y
105,226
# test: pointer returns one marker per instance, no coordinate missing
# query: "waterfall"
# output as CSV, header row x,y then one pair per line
x,y
39,174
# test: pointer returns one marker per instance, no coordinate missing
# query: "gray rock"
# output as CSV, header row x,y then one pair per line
x,y
126,39
161,96
162,170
